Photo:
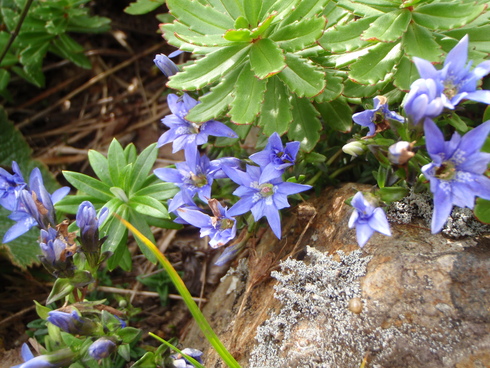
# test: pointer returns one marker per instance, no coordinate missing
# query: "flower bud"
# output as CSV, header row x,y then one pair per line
x,y
355,148
101,348
72,322
166,65
89,226
400,152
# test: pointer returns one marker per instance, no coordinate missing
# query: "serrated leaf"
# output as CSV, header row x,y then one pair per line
x,y
305,9
377,64
372,6
305,126
143,6
333,89
267,8
389,27
406,74
142,167
238,35
215,102
275,114
300,34
198,17
263,26
479,37
345,38
205,40
302,77
230,8
444,16
148,206
266,58
208,69
117,162
352,89
100,165
251,11
248,97
336,114
419,41
89,185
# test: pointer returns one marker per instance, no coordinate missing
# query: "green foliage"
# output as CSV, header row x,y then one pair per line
x,y
126,188
44,29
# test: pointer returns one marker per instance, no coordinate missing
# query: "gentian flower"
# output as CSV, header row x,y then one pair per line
x,y
72,322
101,348
221,227
376,118
425,100
457,81
194,176
263,199
34,207
367,219
10,186
400,152
185,134
180,362
56,253
457,172
61,358
89,226
166,65
275,158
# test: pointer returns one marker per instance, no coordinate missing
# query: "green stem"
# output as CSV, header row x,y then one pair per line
x,y
15,33
342,169
190,359
334,157
313,180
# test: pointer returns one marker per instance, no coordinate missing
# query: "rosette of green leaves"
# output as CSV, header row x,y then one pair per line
x,y
256,57
126,187
378,39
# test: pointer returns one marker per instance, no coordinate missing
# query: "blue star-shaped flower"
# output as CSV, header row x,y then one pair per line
x,y
10,186
457,172
275,158
377,115
263,199
425,100
185,134
367,219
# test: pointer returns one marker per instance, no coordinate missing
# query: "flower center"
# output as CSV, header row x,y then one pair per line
x,y
226,224
266,190
450,89
199,180
446,171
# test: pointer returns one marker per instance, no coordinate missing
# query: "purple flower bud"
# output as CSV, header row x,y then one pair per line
x,y
181,362
71,322
10,186
425,100
166,65
57,253
101,348
89,226
400,152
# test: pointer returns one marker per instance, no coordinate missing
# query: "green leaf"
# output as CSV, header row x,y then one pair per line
x,y
238,35
389,27
263,26
196,16
216,101
377,65
209,40
458,123
130,153
142,167
56,26
406,74
275,115
159,191
139,223
479,37
249,94
112,228
208,69
68,48
305,126
346,37
70,203
266,58
143,6
300,34
4,79
89,185
61,288
445,16
230,8
305,9
148,206
129,334
333,89
482,210
336,114
100,165
302,77
34,54
41,310
251,10
117,162
419,41
88,24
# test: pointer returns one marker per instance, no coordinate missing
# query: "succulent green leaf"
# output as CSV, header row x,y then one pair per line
x,y
346,37
275,114
89,185
304,10
263,26
251,11
100,165
266,58
159,191
170,30
148,206
130,153
249,94
302,77
371,7
444,16
283,8
419,41
268,7
241,22
377,64
208,69
196,16
482,210
336,114
389,27
143,6
238,35
296,36
406,74
142,167
117,162
305,126
333,89
334,13
479,37
216,101
211,40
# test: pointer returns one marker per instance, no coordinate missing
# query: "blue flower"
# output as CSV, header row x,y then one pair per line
x,y
221,227
376,118
275,158
10,186
400,152
71,322
194,176
89,226
367,219
457,172
101,348
263,199
166,65
180,362
34,207
456,79
425,100
185,134
61,358
56,252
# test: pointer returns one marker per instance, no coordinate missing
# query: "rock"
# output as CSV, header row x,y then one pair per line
x,y
410,300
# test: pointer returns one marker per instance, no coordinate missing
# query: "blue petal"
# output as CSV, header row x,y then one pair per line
x,y
172,103
363,233
218,129
275,142
456,58
425,68
59,194
262,158
292,188
379,222
18,229
353,219
269,173
273,219
242,206
482,96
434,138
442,209
168,175
475,138
194,217
259,209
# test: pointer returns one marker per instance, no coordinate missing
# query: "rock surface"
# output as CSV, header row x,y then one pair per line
x,y
410,300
